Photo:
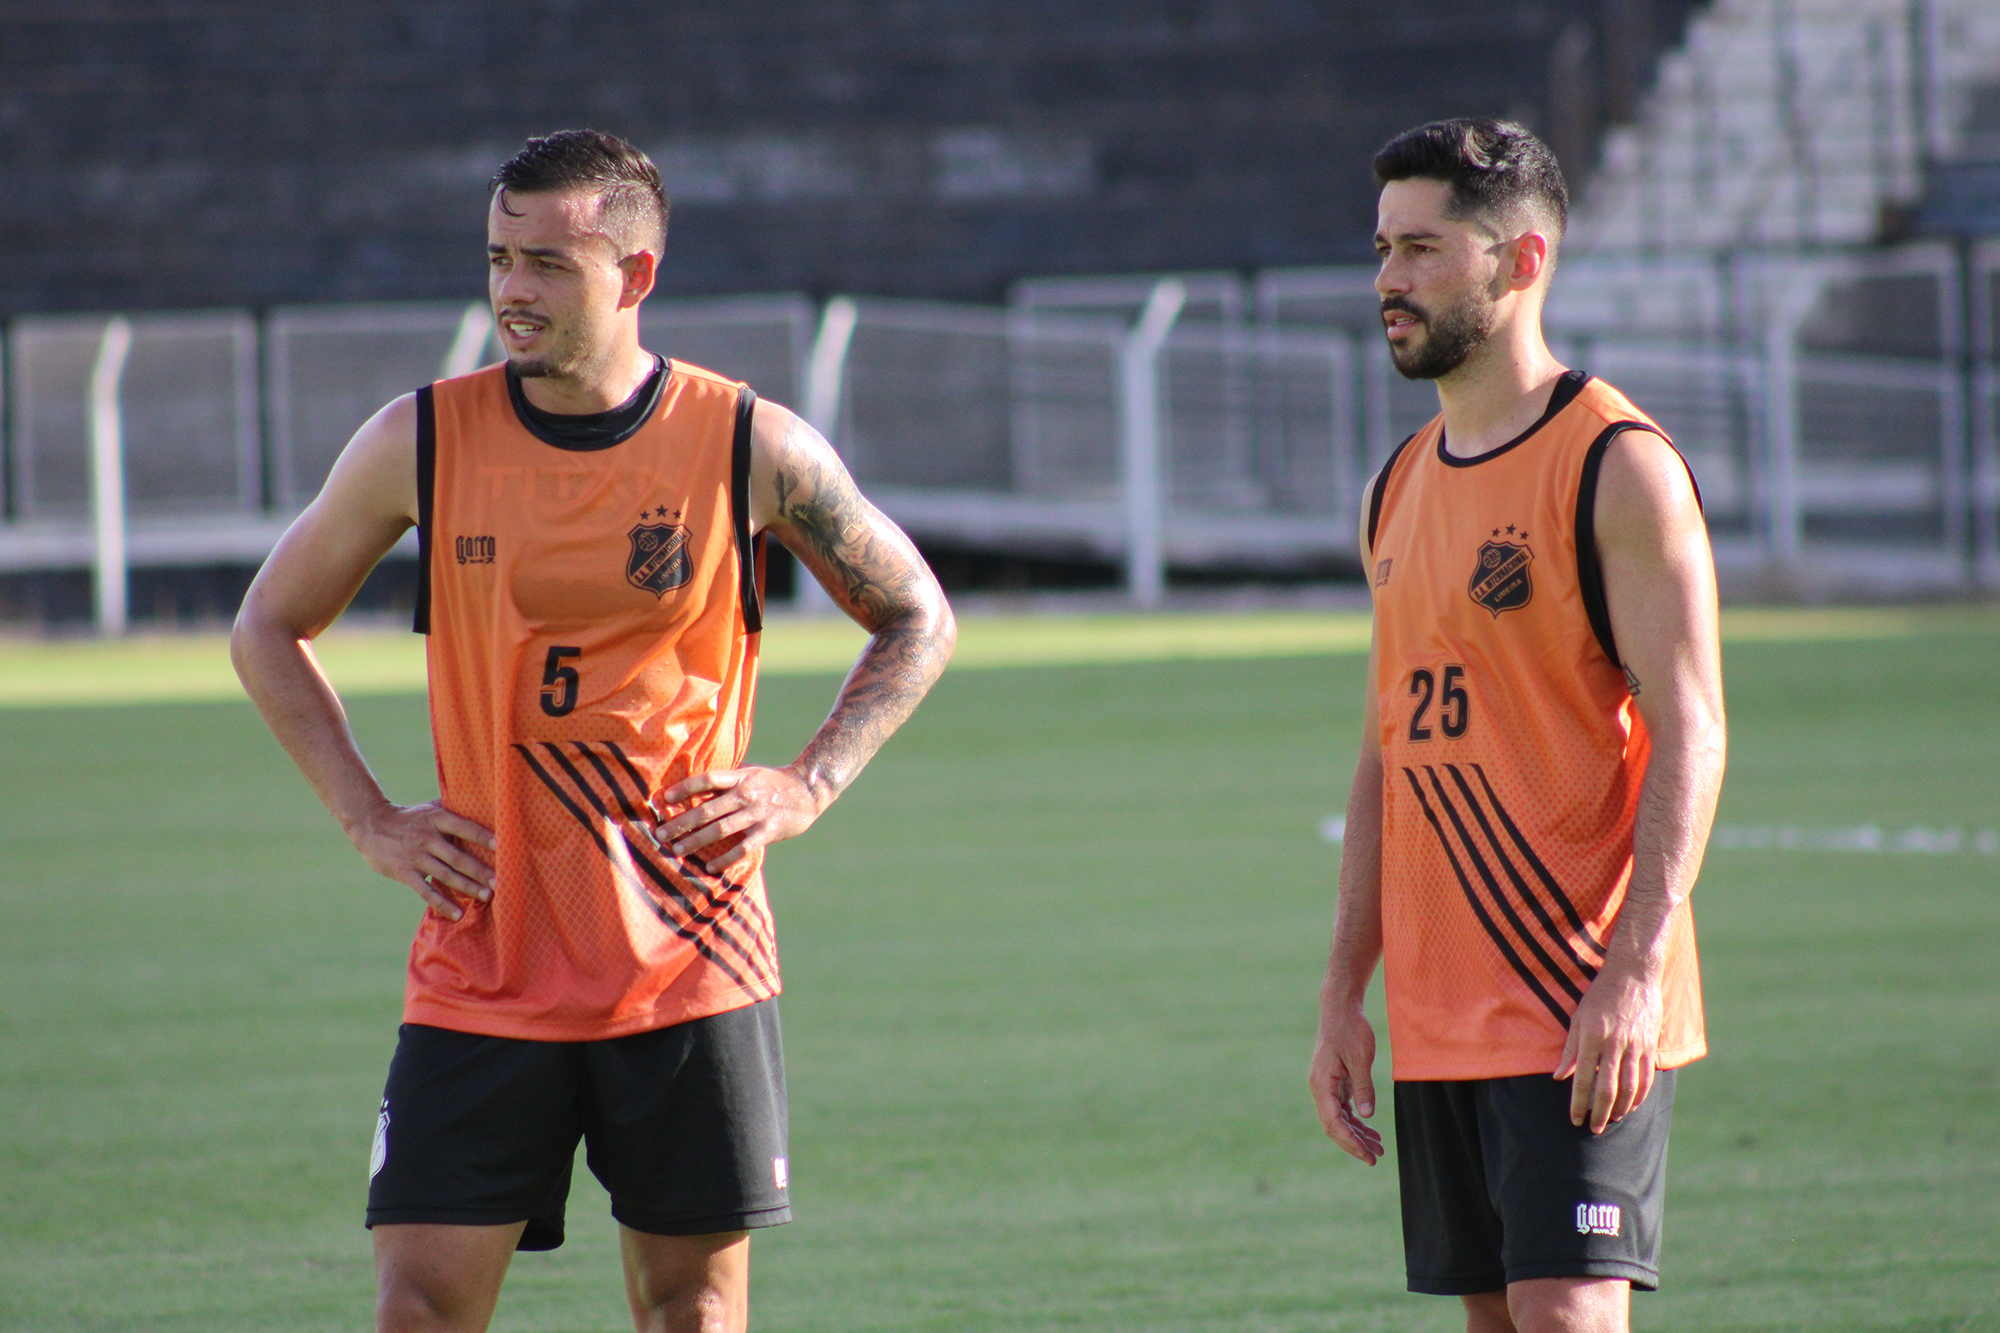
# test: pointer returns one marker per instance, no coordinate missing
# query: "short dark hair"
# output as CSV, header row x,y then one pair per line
x,y
1494,168
631,203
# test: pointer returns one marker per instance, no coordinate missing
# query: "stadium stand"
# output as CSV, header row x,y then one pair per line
x,y
171,156
1778,255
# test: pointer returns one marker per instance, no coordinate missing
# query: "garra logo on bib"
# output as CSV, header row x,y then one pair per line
x,y
659,560
1500,581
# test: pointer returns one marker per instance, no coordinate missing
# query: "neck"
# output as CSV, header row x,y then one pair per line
x,y
1500,391
596,386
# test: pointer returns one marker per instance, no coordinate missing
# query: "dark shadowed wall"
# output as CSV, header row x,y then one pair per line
x,y
191,153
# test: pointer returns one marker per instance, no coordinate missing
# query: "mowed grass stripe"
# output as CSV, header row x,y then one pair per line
x,y
376,661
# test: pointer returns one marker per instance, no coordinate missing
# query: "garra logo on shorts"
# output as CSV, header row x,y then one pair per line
x,y
1500,581
659,560
378,1153
1597,1219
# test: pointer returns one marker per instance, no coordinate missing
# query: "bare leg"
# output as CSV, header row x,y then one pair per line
x,y
1571,1305
1487,1313
687,1284
440,1279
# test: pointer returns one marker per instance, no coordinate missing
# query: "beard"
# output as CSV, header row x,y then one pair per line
x,y
561,355
1449,338
545,365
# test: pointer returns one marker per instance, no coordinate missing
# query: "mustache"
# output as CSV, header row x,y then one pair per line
x,y
1407,306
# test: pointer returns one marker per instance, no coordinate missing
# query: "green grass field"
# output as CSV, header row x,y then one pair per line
x,y
1051,971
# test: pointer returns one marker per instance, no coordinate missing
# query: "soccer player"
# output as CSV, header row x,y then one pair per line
x,y
597,961
1539,766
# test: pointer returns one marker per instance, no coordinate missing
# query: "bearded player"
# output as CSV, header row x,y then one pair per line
x,y
1539,767
597,962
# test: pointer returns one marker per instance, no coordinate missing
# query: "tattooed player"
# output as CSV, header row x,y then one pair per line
x,y
597,962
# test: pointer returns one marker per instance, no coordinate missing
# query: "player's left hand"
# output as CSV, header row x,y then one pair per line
x,y
746,808
1614,1037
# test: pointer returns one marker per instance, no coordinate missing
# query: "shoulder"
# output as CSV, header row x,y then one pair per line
x,y
1638,463
1640,470
776,431
392,429
794,472
1375,491
690,373
1602,405
375,476
1645,493
480,380
1412,445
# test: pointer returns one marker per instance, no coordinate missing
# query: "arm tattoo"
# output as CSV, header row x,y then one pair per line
x,y
1631,680
881,581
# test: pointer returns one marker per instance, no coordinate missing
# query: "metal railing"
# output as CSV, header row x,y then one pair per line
x,y
1114,423
1838,409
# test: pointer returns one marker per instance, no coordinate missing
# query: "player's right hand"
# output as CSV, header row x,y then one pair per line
x,y
428,848
1342,1087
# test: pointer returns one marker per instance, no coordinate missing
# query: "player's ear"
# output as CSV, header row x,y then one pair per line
x,y
1530,252
639,270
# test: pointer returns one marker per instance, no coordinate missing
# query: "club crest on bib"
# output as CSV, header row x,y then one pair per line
x,y
659,560
1500,579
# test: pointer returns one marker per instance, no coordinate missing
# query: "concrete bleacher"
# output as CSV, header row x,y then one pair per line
x,y
1782,138
184,156
1791,124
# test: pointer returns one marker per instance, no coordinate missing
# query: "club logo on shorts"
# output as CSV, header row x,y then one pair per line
x,y
378,1155
1382,568
781,1173
659,560
1500,580
1597,1219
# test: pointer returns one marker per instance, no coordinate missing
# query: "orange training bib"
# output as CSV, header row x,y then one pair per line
x,y
1512,750
593,623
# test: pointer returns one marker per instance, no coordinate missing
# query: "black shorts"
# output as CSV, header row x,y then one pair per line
x,y
685,1126
1498,1186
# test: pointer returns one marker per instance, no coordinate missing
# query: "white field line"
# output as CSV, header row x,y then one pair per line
x,y
1917,840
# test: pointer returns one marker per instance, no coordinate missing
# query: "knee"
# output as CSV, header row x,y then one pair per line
x,y
698,1304
1570,1305
408,1307
1487,1313
688,1284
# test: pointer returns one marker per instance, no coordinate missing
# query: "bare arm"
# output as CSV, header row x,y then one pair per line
x,y
369,501
1341,1078
1659,581
801,494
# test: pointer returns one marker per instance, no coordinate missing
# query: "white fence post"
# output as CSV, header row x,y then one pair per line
x,y
1139,419
1378,436
107,475
826,374
1782,519
1933,110
475,330
1957,453
1982,275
